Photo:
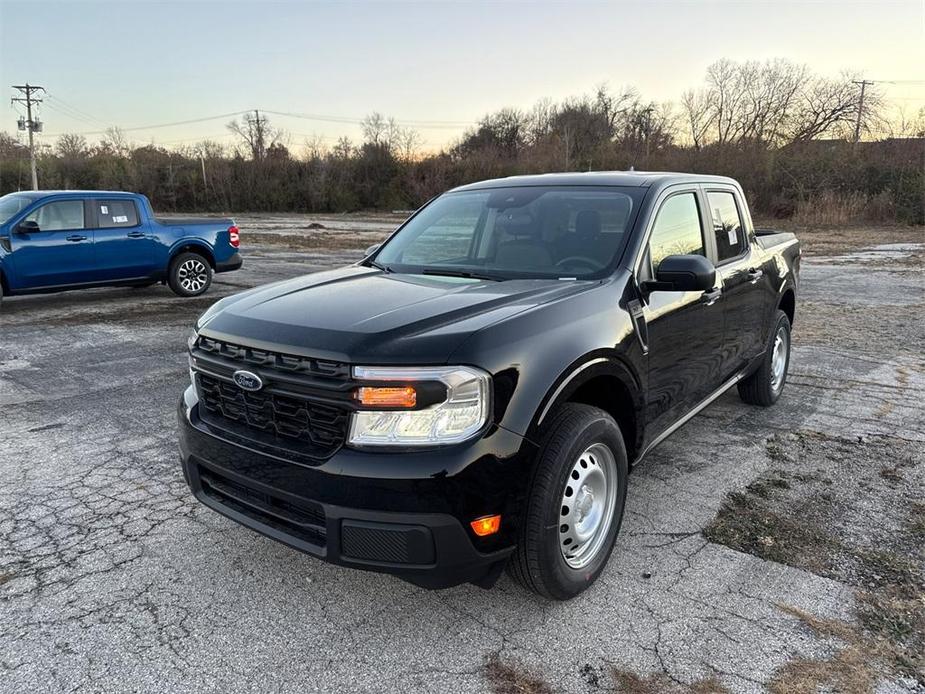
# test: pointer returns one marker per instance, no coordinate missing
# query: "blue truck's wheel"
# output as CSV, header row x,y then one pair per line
x,y
575,503
190,274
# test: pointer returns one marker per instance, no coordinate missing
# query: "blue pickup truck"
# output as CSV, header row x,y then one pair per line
x,y
56,240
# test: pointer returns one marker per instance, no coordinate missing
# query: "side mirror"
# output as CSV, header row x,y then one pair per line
x,y
683,273
372,249
28,227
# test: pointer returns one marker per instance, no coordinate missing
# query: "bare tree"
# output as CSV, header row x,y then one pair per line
x,y
315,148
699,115
114,142
830,107
343,149
257,134
408,142
71,146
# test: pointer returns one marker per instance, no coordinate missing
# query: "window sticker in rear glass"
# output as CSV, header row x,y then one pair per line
x,y
120,219
104,209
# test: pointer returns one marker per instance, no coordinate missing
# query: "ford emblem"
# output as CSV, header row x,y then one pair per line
x,y
246,380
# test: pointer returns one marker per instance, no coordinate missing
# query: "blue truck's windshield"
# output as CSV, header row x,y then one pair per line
x,y
503,233
12,204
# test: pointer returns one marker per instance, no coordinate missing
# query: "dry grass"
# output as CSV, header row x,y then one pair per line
x,y
849,670
504,678
322,240
830,208
793,519
626,682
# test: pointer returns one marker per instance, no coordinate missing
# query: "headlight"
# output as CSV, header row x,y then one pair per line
x,y
190,343
455,403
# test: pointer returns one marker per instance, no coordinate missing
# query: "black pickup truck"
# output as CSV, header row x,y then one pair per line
x,y
473,393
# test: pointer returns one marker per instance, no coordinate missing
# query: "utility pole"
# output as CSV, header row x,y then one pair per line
x,y
259,142
857,125
29,124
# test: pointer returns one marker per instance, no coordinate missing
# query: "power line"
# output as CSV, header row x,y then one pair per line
x,y
58,104
422,124
28,123
160,125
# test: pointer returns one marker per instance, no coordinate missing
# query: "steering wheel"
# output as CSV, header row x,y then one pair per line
x,y
592,265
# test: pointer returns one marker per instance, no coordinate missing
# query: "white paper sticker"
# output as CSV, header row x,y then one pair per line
x,y
104,209
120,219
733,237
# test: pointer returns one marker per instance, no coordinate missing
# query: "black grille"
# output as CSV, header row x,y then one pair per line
x,y
286,363
305,521
291,422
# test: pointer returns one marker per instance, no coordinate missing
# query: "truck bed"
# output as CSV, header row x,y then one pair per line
x,y
770,238
192,221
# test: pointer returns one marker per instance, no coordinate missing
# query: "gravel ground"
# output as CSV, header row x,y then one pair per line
x,y
112,578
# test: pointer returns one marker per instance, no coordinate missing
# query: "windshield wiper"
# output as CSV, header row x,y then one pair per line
x,y
373,263
468,274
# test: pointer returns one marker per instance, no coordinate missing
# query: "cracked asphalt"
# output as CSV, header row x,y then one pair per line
x,y
112,578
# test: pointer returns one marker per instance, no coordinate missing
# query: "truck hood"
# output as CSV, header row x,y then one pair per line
x,y
363,315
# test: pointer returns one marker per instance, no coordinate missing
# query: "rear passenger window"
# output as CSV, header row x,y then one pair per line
x,y
727,226
59,216
116,213
677,229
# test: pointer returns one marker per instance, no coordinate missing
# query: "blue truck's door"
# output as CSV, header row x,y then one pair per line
x,y
60,252
125,245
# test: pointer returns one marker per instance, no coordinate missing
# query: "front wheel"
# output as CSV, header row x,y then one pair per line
x,y
575,504
765,385
190,274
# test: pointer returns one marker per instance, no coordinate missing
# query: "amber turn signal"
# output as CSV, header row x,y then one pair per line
x,y
488,525
404,396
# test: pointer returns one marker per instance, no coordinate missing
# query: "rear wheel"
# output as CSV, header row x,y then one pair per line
x,y
575,504
190,274
765,385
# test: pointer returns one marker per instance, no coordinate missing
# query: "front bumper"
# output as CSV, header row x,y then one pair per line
x,y
405,514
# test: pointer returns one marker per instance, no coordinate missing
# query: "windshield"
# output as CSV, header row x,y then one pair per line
x,y
12,204
506,233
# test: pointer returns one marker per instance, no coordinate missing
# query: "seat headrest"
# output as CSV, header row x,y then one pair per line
x,y
588,223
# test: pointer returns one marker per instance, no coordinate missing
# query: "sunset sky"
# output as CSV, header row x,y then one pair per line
x,y
437,67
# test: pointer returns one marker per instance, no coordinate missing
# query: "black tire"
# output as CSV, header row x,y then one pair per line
x,y
190,274
763,387
538,563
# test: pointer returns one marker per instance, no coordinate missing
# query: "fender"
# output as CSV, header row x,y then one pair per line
x,y
583,370
188,242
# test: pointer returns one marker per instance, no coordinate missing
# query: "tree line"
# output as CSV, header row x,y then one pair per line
x,y
786,133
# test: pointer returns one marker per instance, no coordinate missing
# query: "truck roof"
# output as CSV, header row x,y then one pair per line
x,y
635,179
81,193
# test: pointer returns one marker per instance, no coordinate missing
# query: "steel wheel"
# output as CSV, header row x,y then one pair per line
x,y
779,354
588,502
193,275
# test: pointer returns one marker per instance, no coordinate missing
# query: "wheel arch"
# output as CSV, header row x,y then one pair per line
x,y
603,381
192,247
788,303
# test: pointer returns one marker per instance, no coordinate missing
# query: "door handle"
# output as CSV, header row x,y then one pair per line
x,y
136,234
76,237
711,297
755,274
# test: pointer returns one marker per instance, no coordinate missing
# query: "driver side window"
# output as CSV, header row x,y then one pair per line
x,y
59,216
677,229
